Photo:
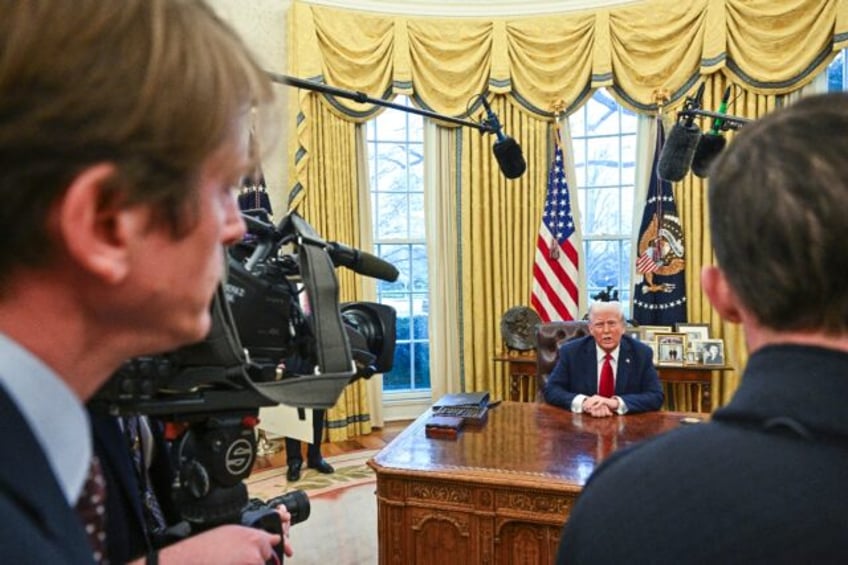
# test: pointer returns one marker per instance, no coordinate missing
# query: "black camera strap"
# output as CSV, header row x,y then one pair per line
x,y
335,367
322,287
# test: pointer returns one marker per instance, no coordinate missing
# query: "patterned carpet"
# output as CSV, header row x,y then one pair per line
x,y
342,525
350,468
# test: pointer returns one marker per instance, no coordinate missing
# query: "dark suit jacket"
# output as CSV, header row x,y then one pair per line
x,y
763,482
38,525
576,372
126,536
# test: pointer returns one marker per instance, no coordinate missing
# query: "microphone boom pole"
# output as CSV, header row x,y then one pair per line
x,y
732,122
363,98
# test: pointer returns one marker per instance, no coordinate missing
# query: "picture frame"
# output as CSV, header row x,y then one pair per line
x,y
711,352
671,348
649,332
694,332
635,333
653,345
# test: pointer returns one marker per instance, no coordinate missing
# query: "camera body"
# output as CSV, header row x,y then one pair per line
x,y
278,336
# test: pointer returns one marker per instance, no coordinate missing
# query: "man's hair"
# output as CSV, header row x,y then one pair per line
x,y
153,86
778,201
604,305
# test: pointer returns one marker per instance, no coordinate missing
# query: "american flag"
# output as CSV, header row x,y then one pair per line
x,y
555,270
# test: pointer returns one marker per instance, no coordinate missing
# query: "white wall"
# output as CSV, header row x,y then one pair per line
x,y
262,26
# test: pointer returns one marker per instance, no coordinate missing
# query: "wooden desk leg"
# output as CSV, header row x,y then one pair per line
x,y
706,397
514,386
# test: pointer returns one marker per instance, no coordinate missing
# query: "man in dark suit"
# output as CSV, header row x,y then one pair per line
x,y
139,475
764,481
116,207
606,372
129,523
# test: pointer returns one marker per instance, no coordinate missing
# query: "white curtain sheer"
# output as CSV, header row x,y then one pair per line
x,y
646,140
440,206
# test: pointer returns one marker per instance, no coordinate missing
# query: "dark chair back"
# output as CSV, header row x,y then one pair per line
x,y
549,337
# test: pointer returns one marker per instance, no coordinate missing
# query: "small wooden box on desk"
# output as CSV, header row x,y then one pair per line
x,y
499,493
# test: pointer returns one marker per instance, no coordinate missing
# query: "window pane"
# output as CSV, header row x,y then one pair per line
x,y
416,216
391,209
397,152
421,365
604,140
603,162
392,170
602,267
603,212
601,116
391,125
399,378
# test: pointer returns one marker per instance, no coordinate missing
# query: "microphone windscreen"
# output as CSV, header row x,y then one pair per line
x,y
375,267
708,149
677,153
510,160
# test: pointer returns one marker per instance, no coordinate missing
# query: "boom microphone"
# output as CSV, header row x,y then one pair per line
x,y
506,149
678,152
361,262
712,143
679,149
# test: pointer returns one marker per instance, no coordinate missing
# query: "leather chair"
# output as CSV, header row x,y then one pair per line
x,y
549,337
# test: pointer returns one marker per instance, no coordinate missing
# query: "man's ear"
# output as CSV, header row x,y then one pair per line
x,y
721,294
95,224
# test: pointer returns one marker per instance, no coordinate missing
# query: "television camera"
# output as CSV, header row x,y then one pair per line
x,y
278,336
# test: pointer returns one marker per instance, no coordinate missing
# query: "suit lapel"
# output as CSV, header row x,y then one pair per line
x,y
26,477
625,366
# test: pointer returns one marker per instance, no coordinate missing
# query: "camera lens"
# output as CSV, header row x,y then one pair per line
x,y
296,502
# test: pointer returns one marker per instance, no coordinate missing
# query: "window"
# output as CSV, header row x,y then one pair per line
x,y
604,144
837,72
396,162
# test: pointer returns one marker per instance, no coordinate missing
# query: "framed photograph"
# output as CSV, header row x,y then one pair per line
x,y
649,332
712,351
653,345
694,331
635,333
671,348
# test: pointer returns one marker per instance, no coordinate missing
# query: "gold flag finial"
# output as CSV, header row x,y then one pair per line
x,y
661,97
558,108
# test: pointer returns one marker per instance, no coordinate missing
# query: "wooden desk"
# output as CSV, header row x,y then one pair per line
x,y
521,372
699,376
497,494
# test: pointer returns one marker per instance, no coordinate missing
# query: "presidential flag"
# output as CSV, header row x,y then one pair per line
x,y
659,297
555,270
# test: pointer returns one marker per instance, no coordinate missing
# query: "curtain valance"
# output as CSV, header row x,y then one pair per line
x,y
767,46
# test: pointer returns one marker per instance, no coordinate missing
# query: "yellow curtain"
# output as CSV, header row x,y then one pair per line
x,y
499,223
331,206
766,47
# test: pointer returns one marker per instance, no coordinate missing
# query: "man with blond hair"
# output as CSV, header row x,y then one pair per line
x,y
606,372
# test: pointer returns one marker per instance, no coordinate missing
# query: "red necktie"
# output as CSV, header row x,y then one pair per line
x,y
91,509
607,385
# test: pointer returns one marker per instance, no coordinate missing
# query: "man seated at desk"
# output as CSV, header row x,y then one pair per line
x,y
606,372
